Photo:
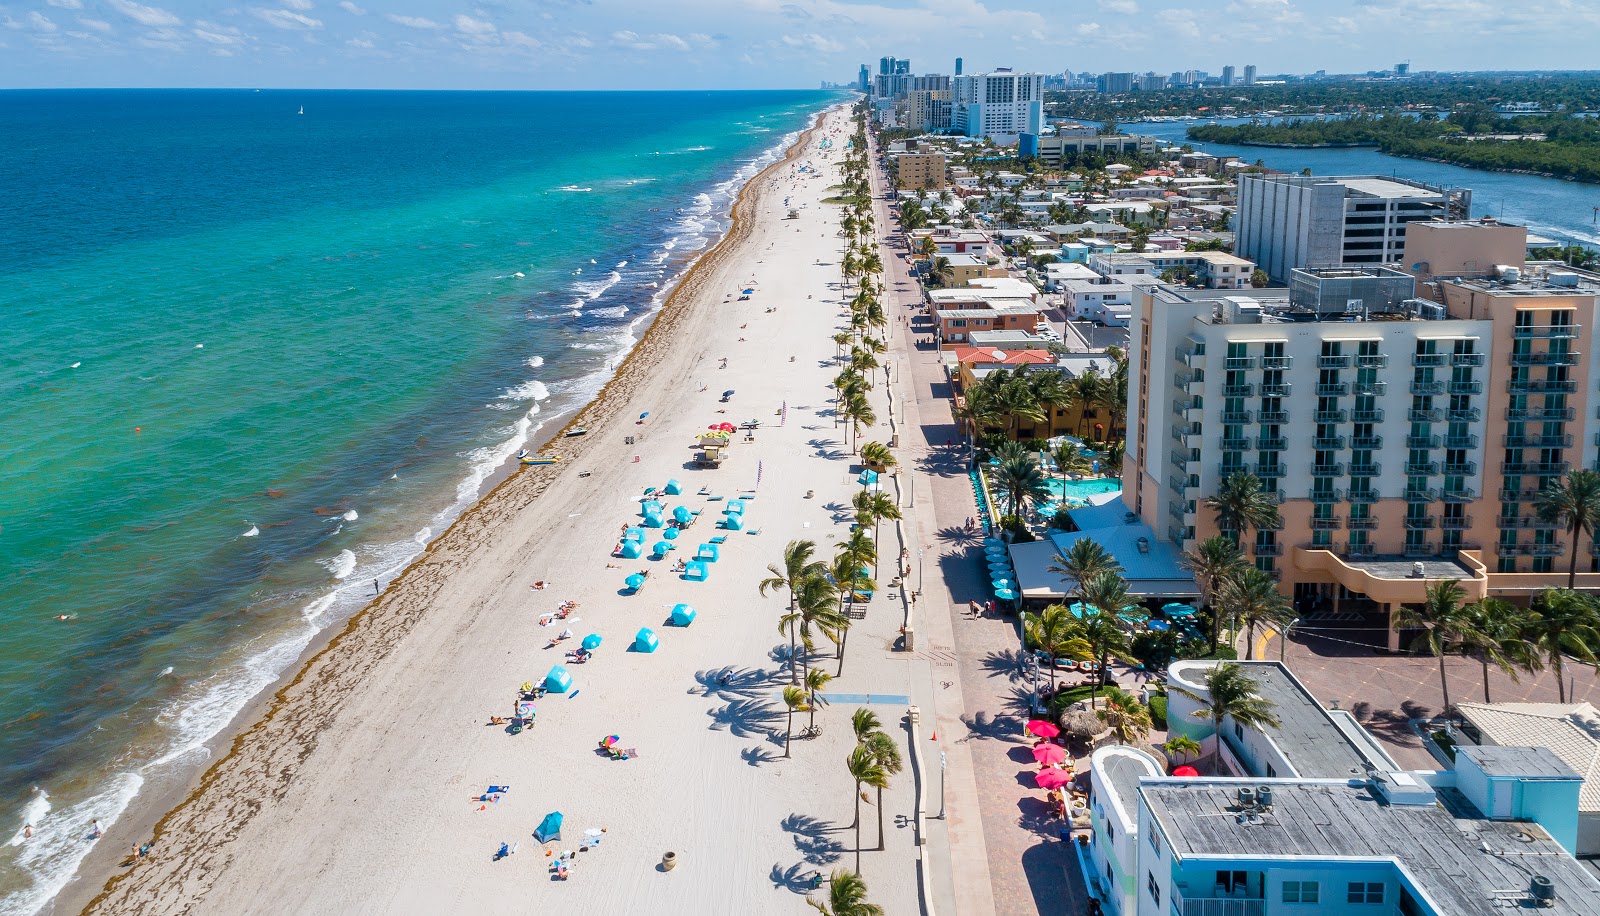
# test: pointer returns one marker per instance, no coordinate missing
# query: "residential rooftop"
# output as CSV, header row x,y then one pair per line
x,y
1569,730
1460,863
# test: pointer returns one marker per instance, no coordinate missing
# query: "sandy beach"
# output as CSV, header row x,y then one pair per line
x,y
359,788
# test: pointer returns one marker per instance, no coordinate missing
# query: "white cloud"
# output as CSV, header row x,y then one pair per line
x,y
41,22
361,43
285,19
162,39
1121,7
214,33
671,41
470,26
145,15
521,39
414,22
351,8
814,42
66,4
99,25
301,5
579,41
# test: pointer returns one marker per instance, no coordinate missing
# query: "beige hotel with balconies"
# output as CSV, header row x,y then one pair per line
x,y
1406,421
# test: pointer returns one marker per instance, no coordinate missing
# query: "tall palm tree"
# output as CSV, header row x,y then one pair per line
x,y
1443,621
1241,505
1056,633
848,578
847,896
795,699
1251,597
1230,692
1107,594
863,722
815,612
1575,504
1213,560
858,410
816,679
887,754
1565,623
1084,559
873,507
1022,480
878,455
940,272
1127,718
1497,638
865,771
798,565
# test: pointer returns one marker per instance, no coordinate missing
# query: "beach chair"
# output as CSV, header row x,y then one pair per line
x,y
753,531
719,539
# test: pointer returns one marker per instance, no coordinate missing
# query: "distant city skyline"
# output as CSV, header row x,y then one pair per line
x,y
707,44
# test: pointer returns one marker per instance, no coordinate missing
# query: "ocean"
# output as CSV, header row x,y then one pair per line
x,y
251,360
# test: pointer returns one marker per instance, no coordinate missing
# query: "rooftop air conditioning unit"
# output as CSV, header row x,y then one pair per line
x,y
1247,796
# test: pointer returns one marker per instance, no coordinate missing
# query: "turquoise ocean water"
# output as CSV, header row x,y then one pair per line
x,y
251,360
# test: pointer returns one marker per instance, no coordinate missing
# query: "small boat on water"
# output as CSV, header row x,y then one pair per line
x,y
576,431
527,457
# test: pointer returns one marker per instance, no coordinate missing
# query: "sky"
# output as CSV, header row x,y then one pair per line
x,y
700,44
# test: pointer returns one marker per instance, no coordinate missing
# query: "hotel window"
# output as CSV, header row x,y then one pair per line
x,y
1154,888
1365,892
1301,892
1155,840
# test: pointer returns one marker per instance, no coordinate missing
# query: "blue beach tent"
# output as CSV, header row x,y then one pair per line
x,y
682,615
707,552
682,515
695,570
733,523
645,640
654,520
631,550
558,680
735,507
549,828
673,488
635,533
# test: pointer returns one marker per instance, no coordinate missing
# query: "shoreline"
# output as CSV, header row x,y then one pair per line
x,y
372,632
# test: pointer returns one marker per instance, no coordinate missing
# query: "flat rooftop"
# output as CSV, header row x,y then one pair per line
x,y
1403,567
1441,850
1306,734
1386,188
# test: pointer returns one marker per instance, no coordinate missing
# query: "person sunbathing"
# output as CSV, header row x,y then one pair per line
x,y
499,720
538,586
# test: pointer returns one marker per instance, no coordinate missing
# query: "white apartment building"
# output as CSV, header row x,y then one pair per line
x,y
1100,300
1000,106
1289,221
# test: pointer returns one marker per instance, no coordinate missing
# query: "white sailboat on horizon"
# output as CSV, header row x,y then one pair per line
x,y
302,109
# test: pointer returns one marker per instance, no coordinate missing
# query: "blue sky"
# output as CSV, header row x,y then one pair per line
x,y
621,44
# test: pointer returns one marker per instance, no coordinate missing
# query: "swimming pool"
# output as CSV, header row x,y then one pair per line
x,y
1083,489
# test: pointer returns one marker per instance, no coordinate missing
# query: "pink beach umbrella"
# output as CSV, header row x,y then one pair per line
x,y
1049,754
1052,779
1043,729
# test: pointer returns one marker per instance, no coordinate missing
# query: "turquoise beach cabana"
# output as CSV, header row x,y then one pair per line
x,y
735,507
682,615
654,520
709,552
733,522
631,550
867,478
634,533
559,680
673,487
645,640
549,828
695,570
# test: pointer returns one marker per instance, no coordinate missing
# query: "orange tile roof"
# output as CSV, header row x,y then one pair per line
x,y
1012,357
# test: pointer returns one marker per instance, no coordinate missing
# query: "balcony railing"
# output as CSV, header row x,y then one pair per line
x,y
1470,415
1219,906
1372,361
1519,496
1547,331
1237,417
1526,523
1272,416
1361,550
1270,470
1541,386
1177,534
1367,416
1374,388
1419,550
1422,495
1362,524
1268,550
1272,444
1330,416
1422,442
1239,362
1544,359
1529,550
1280,390
1328,443
1179,484
1326,495
1540,441
1332,389
1429,359
1325,524
1327,470
1366,442
1277,362
1544,468
1419,524
1466,388
1421,468
1366,470
1462,442
1459,523
1426,416
1238,391
1228,470
1427,388
1333,362
1464,469
1368,495
1545,415
1467,359
1458,496
1236,445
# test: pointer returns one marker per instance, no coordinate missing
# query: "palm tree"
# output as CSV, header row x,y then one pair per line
x,y
816,679
1107,594
795,699
1212,561
940,272
1443,621
878,456
866,771
1576,504
1127,718
1021,479
815,610
1082,561
858,410
847,896
1056,633
797,566
1232,692
1182,747
864,722
848,577
1071,461
874,507
1566,622
887,755
1241,504
1251,597
1496,638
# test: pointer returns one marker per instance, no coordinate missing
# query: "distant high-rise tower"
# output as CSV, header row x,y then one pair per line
x,y
865,83
958,66
901,66
1227,75
1249,74
885,65
1399,69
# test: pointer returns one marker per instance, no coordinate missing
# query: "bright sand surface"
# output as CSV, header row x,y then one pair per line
x,y
356,791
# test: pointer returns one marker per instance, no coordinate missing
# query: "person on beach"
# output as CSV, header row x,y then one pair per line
x,y
98,831
27,831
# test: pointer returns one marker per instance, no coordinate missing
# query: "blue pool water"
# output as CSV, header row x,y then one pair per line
x,y
1083,489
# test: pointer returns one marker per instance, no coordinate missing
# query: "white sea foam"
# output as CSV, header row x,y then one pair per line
x,y
350,516
572,187
251,533
535,362
533,390
342,565
594,289
60,841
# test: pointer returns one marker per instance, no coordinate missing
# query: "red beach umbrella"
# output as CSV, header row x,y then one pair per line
x,y
1052,779
1043,729
1186,771
1049,753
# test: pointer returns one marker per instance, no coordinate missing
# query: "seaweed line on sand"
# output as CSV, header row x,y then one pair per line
x,y
191,845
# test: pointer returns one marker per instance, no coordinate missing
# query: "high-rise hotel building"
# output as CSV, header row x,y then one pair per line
x,y
1406,428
